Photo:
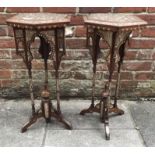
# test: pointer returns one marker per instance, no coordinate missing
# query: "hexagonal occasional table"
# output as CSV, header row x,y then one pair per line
x,y
50,28
115,30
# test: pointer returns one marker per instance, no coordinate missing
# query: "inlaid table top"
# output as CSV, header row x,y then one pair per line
x,y
30,20
114,20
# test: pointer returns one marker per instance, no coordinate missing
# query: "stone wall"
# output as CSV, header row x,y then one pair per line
x,y
138,76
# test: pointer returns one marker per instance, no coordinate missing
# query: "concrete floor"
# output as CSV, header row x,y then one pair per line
x,y
135,128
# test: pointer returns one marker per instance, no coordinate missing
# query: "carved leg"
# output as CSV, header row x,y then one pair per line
x,y
115,109
31,91
28,62
104,112
32,120
57,64
106,117
89,110
59,43
22,49
105,101
120,62
94,53
121,51
65,122
58,92
92,106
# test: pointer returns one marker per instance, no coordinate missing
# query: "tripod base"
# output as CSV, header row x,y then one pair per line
x,y
103,108
96,108
54,113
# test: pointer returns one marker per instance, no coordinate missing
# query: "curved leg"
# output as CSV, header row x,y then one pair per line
x,y
106,120
61,119
66,123
94,53
89,110
57,64
92,107
22,49
32,120
58,92
116,110
104,112
124,38
28,61
31,91
59,41
120,62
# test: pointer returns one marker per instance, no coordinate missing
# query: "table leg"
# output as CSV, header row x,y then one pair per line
x,y
94,53
28,62
57,64
59,41
115,108
104,114
32,120
31,91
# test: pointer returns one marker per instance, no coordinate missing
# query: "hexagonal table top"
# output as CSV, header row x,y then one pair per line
x,y
114,20
38,19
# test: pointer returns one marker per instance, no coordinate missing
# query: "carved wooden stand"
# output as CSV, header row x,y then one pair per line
x,y
103,26
52,45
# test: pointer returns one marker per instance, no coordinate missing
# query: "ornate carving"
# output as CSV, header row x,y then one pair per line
x,y
106,36
21,47
46,48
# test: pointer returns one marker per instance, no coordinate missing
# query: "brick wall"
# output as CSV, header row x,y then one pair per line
x,y
138,76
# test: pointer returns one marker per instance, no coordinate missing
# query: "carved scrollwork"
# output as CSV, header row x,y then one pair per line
x,y
46,48
107,36
122,37
121,40
93,40
50,41
21,46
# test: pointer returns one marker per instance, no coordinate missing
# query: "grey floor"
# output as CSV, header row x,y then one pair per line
x,y
135,128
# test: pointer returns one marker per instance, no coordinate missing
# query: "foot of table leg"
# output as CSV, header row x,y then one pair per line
x,y
32,120
104,113
96,108
66,123
89,110
104,119
61,119
107,132
116,110
54,113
